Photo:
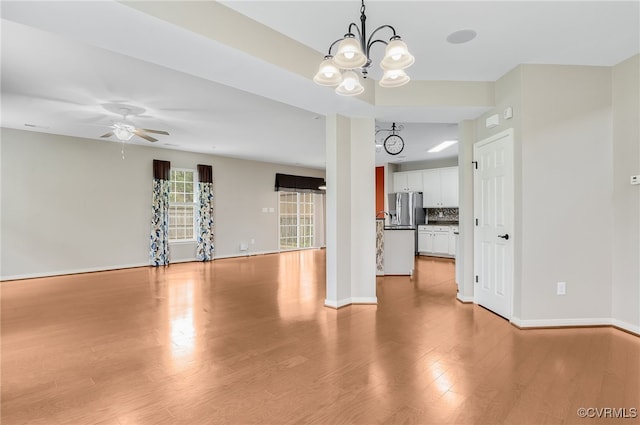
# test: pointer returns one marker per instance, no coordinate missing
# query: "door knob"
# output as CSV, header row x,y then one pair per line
x,y
505,236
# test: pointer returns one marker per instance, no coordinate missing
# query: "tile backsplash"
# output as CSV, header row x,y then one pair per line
x,y
448,214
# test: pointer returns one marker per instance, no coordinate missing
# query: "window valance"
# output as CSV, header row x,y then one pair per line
x,y
290,183
161,169
205,173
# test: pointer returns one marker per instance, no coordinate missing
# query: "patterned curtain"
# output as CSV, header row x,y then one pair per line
x,y
159,242
205,246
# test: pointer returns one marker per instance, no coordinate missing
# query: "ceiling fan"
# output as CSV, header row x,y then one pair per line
x,y
124,130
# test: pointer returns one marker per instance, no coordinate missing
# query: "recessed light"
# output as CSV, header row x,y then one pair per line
x,y
442,146
462,36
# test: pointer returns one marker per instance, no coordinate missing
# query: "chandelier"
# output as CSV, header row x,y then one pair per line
x,y
353,52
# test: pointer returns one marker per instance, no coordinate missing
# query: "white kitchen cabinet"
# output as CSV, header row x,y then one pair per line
x,y
441,242
425,241
407,181
440,188
433,240
453,240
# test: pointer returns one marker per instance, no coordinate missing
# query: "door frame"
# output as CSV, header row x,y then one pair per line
x,y
509,134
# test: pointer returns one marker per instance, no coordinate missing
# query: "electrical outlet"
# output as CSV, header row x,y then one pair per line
x,y
562,288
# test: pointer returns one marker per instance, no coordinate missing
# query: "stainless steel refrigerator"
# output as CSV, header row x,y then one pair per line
x,y
405,209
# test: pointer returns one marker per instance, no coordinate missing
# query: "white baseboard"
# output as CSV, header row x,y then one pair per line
x,y
337,303
635,329
364,300
71,271
552,323
464,299
184,260
244,254
556,323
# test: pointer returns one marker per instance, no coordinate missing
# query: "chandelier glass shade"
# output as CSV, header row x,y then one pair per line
x,y
328,74
396,56
350,85
349,55
394,78
353,52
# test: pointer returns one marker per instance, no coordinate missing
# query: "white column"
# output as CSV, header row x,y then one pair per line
x,y
350,201
363,215
464,262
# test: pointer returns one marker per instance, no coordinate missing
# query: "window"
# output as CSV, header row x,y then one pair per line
x,y
182,207
296,220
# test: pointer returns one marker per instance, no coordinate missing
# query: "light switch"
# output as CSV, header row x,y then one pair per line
x,y
272,210
264,210
635,179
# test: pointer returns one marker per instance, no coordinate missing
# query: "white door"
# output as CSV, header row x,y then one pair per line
x,y
493,209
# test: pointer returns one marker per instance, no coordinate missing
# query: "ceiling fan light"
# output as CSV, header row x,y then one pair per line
x,y
350,85
349,55
328,74
123,132
396,56
394,78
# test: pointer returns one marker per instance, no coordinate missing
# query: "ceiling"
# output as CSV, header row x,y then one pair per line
x,y
62,62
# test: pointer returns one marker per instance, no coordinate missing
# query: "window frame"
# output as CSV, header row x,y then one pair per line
x,y
193,204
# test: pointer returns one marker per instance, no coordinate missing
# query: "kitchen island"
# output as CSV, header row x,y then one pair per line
x,y
399,251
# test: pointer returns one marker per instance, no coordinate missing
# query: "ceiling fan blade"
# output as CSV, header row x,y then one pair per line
x,y
109,134
138,133
148,130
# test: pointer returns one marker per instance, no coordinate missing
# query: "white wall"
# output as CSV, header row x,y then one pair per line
x,y
626,198
564,178
567,174
71,204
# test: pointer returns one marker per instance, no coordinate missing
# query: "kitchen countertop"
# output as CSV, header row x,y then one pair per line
x,y
398,228
441,223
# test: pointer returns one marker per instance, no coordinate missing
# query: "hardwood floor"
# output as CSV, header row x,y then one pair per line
x,y
248,341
